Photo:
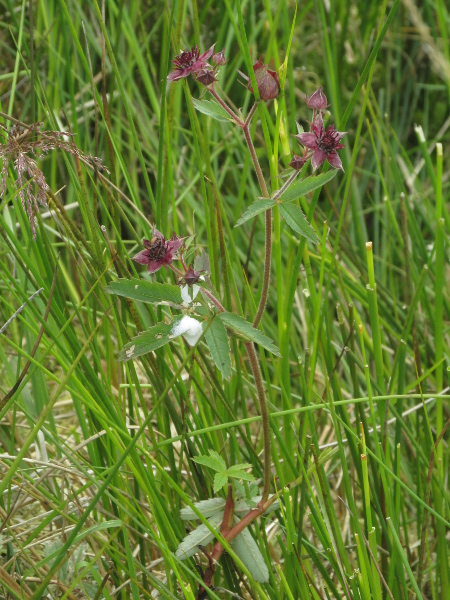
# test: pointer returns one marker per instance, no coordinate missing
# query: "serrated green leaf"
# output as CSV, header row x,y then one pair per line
x,y
217,339
220,479
240,467
296,219
146,291
254,209
245,328
212,109
201,536
208,508
304,186
238,473
201,263
247,550
213,461
149,340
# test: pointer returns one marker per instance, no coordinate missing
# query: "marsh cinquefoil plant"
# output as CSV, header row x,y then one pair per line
x,y
202,314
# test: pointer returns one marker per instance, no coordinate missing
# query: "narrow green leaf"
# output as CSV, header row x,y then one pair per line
x,y
212,109
245,328
247,550
149,340
201,536
304,186
217,339
220,480
254,209
296,219
146,291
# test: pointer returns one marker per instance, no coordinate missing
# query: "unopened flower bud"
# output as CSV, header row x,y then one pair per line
x,y
317,101
191,276
267,81
219,58
206,77
297,162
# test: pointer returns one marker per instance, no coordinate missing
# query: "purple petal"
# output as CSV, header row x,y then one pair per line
x,y
334,160
177,74
204,57
158,234
167,258
318,158
175,243
142,257
318,124
340,135
154,265
308,140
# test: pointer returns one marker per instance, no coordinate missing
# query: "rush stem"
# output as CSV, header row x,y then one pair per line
x,y
256,371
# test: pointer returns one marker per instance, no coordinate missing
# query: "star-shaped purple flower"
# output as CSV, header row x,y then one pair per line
x,y
324,144
190,62
158,252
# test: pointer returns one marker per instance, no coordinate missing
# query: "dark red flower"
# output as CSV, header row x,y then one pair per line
x,y
159,251
267,81
317,101
298,162
219,58
324,144
190,62
191,276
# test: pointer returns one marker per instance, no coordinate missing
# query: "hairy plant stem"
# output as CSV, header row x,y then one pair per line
x,y
245,125
285,186
259,384
224,105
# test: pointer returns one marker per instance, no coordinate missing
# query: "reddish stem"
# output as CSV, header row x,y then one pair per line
x,y
224,105
229,537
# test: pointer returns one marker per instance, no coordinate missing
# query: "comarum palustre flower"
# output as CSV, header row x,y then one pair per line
x,y
324,144
158,252
190,62
267,81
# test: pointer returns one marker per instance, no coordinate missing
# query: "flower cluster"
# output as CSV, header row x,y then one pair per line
x,y
158,252
191,62
320,144
23,141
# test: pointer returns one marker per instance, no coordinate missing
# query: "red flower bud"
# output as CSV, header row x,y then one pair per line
x,y
191,276
317,101
267,81
219,58
206,77
297,162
